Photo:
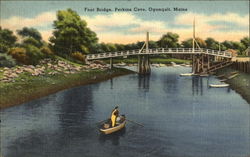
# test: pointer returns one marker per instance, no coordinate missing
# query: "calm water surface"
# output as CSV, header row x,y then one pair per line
x,y
182,117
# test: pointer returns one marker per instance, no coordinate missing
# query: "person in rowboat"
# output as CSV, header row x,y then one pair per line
x,y
114,115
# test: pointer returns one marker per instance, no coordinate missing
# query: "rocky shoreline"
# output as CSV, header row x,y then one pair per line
x,y
47,67
22,84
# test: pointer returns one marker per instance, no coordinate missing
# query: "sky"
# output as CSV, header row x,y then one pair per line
x,y
221,20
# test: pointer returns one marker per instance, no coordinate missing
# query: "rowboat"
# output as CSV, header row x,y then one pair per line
x,y
223,80
187,74
204,75
219,85
119,126
220,76
233,76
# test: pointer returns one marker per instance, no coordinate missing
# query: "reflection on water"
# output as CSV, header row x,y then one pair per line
x,y
144,82
113,138
182,116
197,85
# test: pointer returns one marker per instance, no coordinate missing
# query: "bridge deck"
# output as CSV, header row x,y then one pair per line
x,y
224,54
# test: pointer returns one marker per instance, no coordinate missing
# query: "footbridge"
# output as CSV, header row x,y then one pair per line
x,y
203,60
197,51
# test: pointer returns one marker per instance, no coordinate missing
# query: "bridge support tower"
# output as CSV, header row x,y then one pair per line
x,y
201,63
143,60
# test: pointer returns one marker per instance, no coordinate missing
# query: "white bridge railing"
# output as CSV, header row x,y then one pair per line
x,y
160,51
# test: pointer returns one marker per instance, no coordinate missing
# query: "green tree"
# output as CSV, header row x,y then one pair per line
x,y
228,44
201,42
30,32
152,44
31,36
71,34
187,43
212,44
238,46
111,47
169,40
32,41
246,42
7,40
119,47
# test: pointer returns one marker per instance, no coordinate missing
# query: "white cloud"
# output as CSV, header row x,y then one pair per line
x,y
133,28
104,26
17,22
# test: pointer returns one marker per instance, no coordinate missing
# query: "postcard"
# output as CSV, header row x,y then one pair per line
x,y
124,78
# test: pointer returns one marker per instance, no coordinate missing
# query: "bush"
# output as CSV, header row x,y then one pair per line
x,y
46,51
34,54
28,55
78,56
20,55
7,61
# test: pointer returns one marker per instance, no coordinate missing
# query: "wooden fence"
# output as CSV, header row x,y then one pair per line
x,y
242,66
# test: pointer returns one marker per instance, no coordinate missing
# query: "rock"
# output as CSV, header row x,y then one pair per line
x,y
13,75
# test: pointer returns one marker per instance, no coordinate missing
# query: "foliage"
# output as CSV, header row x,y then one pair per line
x,y
240,47
34,54
31,36
28,55
46,51
153,44
187,43
32,41
119,47
201,42
7,61
78,56
212,44
7,40
30,32
169,40
71,34
20,55
246,42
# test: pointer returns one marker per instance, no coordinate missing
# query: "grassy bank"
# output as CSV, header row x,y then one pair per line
x,y
241,83
152,60
27,87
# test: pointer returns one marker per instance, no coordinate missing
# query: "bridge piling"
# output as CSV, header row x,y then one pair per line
x,y
144,64
111,63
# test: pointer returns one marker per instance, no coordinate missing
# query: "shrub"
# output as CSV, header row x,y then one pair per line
x,y
34,54
78,56
20,55
7,61
46,51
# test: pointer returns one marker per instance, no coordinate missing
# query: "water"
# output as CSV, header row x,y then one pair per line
x,y
182,117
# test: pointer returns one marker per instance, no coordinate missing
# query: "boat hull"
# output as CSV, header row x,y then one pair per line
x,y
219,86
187,74
113,129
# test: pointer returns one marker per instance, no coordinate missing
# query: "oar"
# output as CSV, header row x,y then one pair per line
x,y
101,121
135,122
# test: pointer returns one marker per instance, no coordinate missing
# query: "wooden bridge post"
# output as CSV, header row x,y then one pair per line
x,y
208,62
111,63
202,63
143,60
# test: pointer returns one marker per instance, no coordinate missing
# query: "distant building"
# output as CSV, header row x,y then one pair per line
x,y
234,52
